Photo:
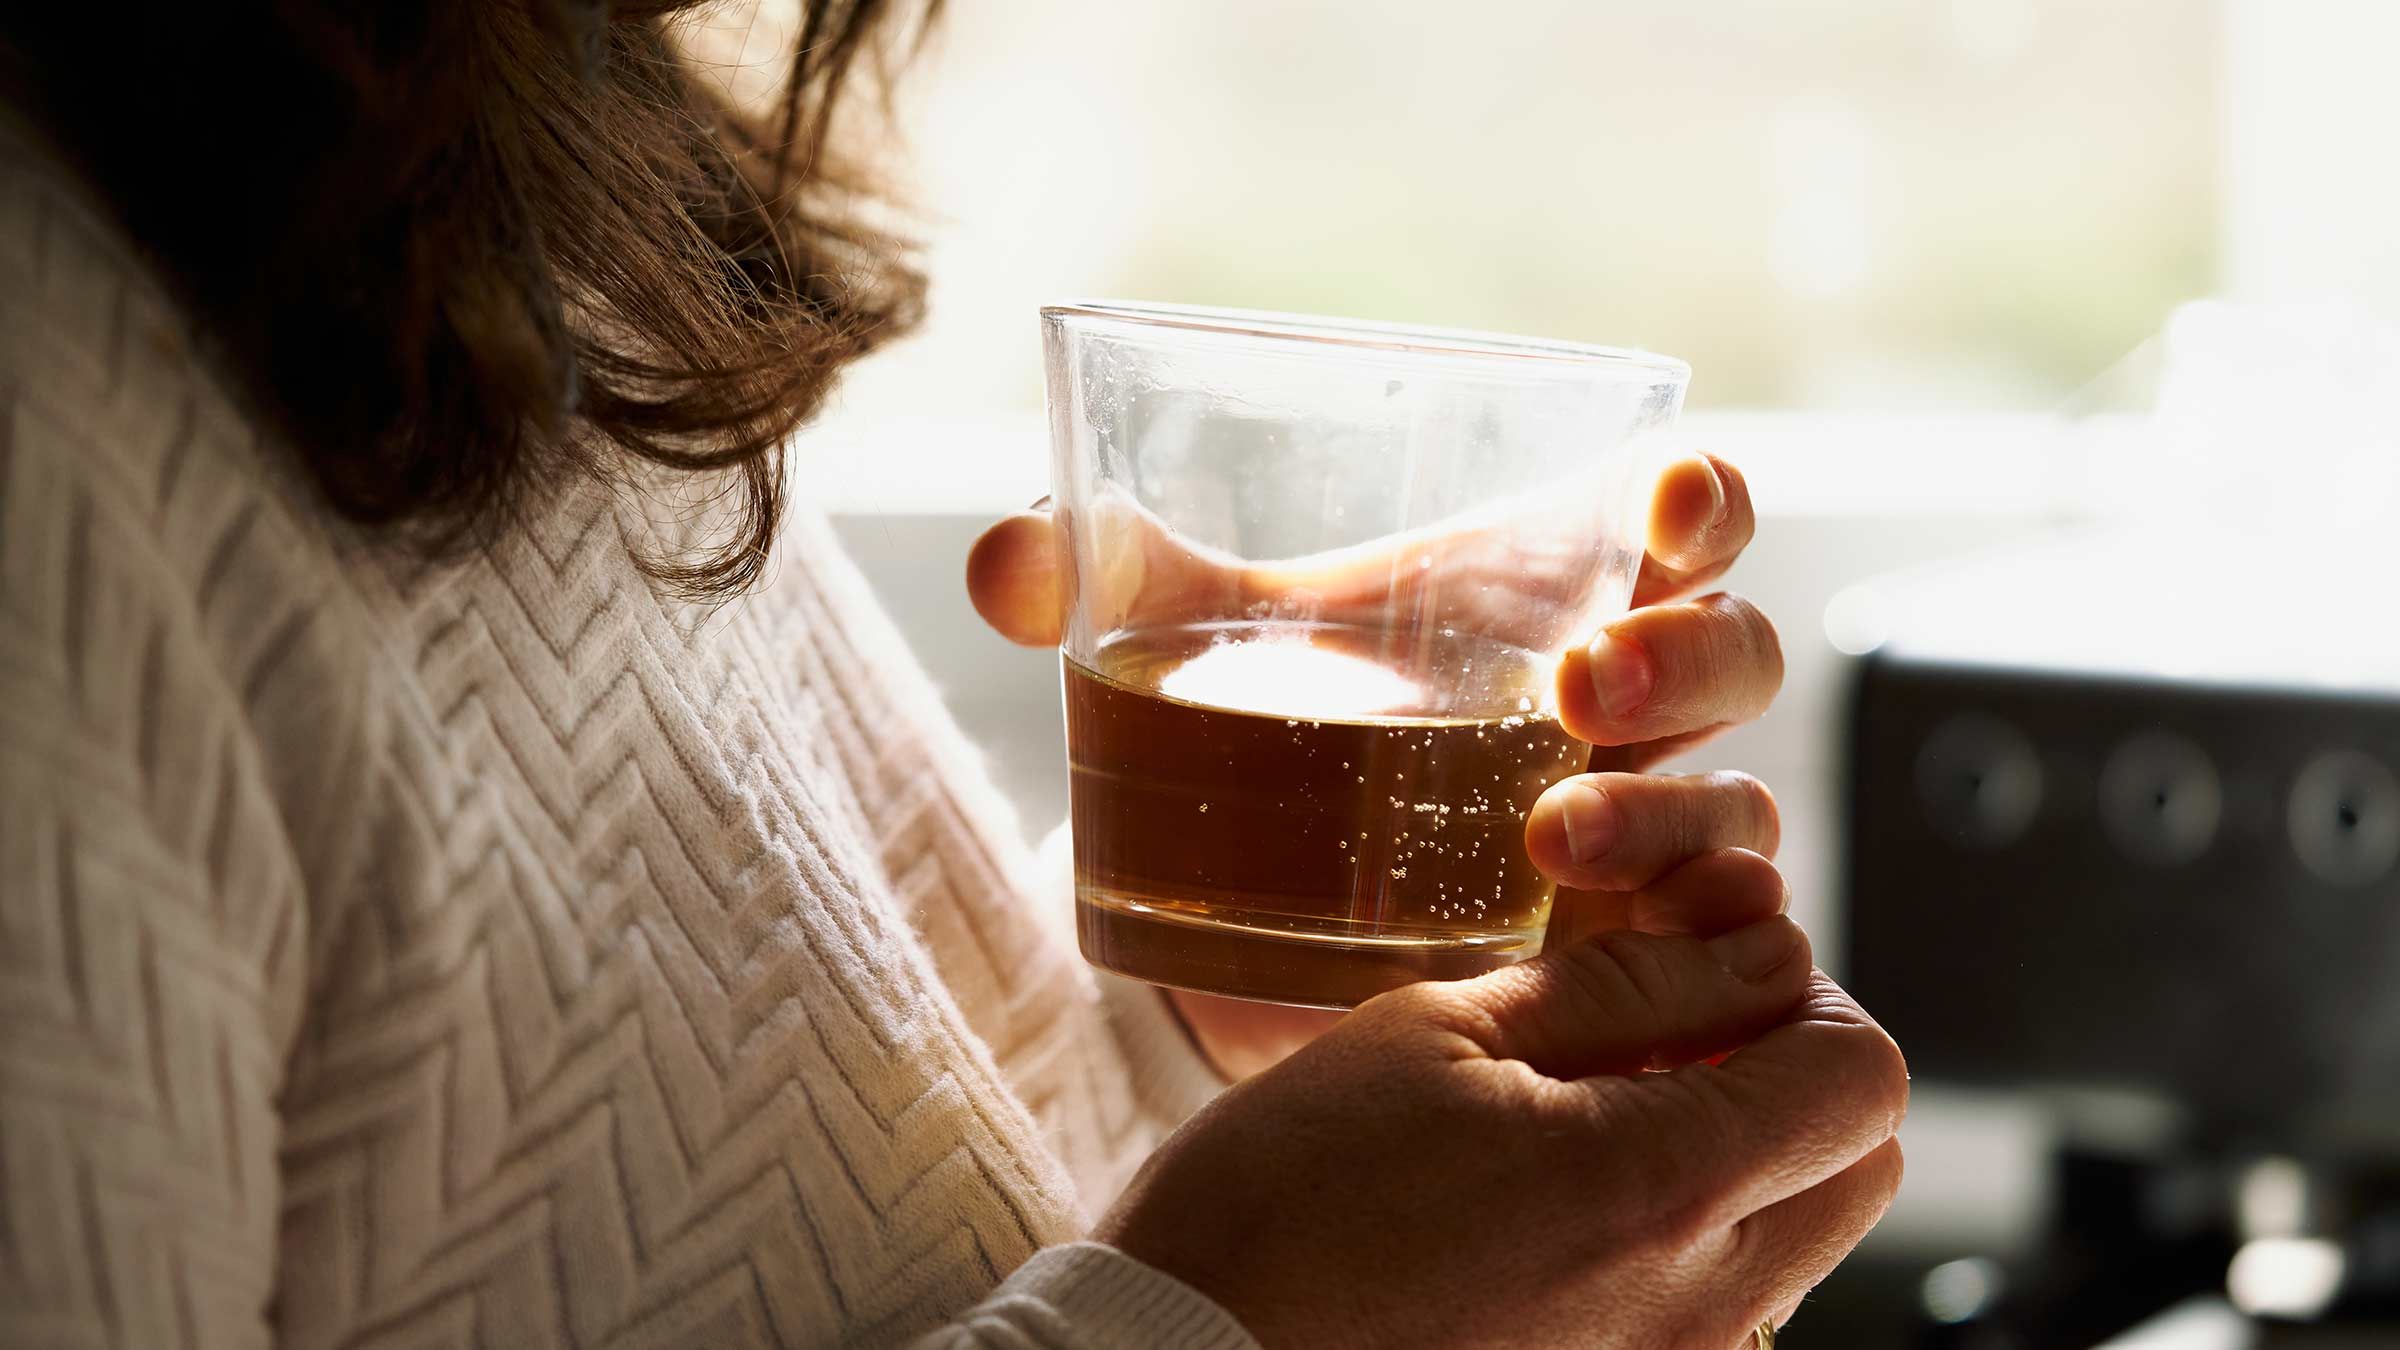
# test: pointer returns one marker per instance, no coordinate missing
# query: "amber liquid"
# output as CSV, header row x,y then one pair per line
x,y
1336,831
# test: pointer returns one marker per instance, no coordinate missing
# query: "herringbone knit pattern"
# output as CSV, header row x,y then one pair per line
x,y
483,952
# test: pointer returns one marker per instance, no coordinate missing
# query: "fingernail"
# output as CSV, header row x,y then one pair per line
x,y
1753,953
1621,675
1590,819
1716,490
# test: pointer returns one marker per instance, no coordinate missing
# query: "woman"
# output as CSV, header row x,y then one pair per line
x,y
462,887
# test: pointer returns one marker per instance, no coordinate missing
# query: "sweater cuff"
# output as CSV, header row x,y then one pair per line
x,y
1089,1296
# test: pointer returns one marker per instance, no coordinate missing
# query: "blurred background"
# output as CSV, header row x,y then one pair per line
x,y
2057,342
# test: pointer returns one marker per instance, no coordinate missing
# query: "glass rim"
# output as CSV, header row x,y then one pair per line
x,y
1366,335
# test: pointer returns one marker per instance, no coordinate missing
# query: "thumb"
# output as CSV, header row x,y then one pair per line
x,y
1013,578
1623,1002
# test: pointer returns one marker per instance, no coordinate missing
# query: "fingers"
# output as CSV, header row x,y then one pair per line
x,y
1700,521
1624,1002
1793,1244
1701,518
1014,582
1793,1108
1618,831
1716,892
1022,578
1670,671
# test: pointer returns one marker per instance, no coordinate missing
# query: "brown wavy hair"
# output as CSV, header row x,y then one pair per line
x,y
460,249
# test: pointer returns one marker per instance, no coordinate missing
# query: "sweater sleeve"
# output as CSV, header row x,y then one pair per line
x,y
152,935
1086,1296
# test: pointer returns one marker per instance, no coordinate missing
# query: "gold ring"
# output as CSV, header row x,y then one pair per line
x,y
1764,1337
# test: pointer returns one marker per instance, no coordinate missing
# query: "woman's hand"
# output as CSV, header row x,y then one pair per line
x,y
1666,676
1662,678
1489,1161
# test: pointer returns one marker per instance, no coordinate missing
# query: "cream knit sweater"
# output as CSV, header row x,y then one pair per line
x,y
490,952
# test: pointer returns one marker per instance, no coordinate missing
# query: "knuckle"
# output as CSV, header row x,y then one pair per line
x,y
1872,1067
1748,882
1756,629
1627,975
1892,1072
1592,973
1424,1023
1754,806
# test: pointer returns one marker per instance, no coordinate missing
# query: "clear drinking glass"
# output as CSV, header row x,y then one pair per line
x,y
1319,577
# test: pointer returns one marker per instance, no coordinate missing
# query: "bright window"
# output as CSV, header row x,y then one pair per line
x,y
1867,212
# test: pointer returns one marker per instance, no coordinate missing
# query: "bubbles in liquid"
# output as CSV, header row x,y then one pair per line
x,y
1132,841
